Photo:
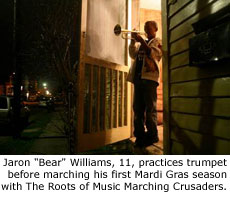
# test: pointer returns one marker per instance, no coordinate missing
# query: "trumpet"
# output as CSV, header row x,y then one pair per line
x,y
124,32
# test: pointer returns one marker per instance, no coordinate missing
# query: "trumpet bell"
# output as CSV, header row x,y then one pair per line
x,y
117,30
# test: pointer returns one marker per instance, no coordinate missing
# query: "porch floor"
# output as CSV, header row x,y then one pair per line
x,y
126,147
155,149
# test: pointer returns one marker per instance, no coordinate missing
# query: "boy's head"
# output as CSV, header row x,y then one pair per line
x,y
151,28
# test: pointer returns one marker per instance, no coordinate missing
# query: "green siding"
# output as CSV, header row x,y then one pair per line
x,y
199,98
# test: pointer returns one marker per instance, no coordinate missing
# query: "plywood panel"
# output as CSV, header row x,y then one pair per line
x,y
101,43
218,87
212,126
202,106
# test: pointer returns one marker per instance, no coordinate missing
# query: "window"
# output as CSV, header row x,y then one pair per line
x,y
101,42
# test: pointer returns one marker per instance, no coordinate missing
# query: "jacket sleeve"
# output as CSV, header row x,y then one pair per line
x,y
133,50
156,50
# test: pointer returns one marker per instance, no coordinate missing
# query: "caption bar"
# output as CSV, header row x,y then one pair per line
x,y
162,174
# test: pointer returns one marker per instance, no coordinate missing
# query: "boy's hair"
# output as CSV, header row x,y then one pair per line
x,y
153,23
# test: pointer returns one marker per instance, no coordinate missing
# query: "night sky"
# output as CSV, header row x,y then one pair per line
x,y
27,34
6,21
35,62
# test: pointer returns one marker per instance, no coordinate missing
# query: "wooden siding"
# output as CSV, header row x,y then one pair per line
x,y
197,107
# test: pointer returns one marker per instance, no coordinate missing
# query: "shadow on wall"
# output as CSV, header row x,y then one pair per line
x,y
208,144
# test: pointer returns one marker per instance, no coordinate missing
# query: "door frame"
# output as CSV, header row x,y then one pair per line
x,y
166,77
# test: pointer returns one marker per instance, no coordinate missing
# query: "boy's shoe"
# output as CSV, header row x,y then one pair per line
x,y
139,143
149,142
155,140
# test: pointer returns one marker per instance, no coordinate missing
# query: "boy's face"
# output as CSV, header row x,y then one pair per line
x,y
150,30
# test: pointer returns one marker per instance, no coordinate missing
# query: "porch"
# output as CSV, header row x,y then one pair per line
x,y
127,147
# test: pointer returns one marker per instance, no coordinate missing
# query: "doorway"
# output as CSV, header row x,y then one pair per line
x,y
104,106
142,11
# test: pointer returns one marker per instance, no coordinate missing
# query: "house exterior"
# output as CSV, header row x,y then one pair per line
x,y
196,98
196,104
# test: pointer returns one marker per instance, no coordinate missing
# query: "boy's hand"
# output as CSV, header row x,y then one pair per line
x,y
137,37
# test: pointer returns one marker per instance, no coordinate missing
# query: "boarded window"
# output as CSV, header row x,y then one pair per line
x,y
101,42
87,99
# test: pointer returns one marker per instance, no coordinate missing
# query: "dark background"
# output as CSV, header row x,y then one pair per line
x,y
6,35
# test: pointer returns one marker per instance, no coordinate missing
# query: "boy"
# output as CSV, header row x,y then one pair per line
x,y
144,74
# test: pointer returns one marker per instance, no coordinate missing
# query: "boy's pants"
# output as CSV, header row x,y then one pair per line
x,y
144,106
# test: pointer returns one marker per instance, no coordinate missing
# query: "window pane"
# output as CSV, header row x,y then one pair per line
x,y
120,88
102,98
94,99
108,99
114,99
87,99
125,100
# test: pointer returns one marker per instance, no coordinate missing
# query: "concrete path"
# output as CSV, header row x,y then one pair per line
x,y
45,139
